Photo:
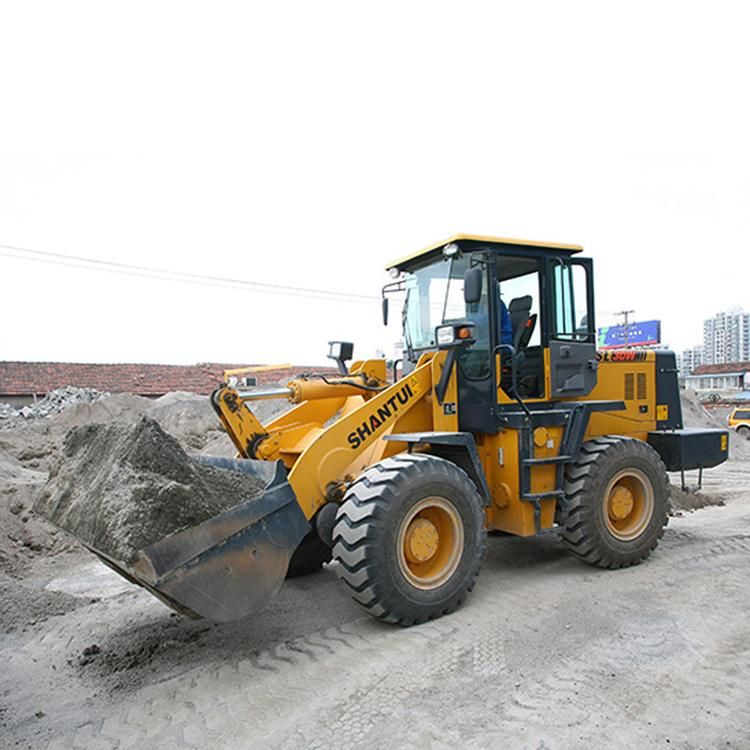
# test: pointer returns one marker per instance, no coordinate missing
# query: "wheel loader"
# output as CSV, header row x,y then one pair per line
x,y
501,417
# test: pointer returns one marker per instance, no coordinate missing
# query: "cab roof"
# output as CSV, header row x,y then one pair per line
x,y
476,241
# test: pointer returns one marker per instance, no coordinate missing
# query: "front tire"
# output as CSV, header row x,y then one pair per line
x,y
744,432
409,538
616,502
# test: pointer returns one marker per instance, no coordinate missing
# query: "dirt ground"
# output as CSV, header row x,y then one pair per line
x,y
547,653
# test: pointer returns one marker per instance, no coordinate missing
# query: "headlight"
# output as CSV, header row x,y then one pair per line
x,y
446,335
454,335
340,350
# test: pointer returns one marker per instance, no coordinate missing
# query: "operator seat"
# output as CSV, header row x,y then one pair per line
x,y
520,313
526,333
523,324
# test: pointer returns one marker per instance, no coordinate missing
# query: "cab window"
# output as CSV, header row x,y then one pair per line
x,y
520,295
519,291
572,316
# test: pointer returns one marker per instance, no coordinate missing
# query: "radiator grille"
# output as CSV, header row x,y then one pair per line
x,y
641,385
629,392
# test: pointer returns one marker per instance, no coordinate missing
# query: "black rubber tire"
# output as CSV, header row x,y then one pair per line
x,y
309,557
743,431
366,537
582,518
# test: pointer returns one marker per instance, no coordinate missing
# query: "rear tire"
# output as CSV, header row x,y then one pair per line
x,y
409,538
616,502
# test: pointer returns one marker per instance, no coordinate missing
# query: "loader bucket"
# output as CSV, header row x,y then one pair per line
x,y
228,566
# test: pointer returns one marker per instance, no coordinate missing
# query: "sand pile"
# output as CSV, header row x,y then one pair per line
x,y
694,414
739,447
121,487
693,500
23,537
30,448
189,417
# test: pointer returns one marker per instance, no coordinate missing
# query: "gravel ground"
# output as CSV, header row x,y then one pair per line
x,y
548,653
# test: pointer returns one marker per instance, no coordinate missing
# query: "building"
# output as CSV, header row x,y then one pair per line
x,y
21,383
689,360
726,338
731,376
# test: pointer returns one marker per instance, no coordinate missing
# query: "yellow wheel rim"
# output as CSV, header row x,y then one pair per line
x,y
430,543
628,504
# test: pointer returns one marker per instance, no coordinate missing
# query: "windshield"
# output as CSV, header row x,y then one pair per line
x,y
434,295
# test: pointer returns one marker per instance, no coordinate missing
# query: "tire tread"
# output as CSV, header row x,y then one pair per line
x,y
580,532
359,527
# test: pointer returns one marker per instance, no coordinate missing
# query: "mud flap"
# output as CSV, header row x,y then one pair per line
x,y
230,565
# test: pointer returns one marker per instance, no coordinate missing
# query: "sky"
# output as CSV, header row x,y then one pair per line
x,y
305,145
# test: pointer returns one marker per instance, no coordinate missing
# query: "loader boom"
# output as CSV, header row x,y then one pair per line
x,y
336,428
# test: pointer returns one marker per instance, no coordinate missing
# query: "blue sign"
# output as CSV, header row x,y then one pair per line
x,y
637,334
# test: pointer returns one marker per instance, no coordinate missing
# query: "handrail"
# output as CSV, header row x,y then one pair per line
x,y
514,377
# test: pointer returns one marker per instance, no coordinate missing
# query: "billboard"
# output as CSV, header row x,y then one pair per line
x,y
637,334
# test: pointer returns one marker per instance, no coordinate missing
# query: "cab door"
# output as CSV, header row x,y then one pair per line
x,y
571,332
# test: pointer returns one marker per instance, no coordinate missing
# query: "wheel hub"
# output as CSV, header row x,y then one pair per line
x,y
621,503
628,504
430,542
422,540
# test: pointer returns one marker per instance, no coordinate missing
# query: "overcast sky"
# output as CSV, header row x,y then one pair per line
x,y
307,144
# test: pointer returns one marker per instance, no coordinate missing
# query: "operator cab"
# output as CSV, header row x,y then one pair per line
x,y
548,351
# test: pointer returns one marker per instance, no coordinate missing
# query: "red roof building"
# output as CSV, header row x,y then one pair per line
x,y
722,368
22,382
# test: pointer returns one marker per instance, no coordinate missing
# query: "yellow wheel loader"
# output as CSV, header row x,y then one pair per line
x,y
501,416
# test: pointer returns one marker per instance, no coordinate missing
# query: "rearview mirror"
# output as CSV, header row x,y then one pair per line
x,y
385,311
473,285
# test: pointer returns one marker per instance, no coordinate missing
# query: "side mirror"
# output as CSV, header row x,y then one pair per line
x,y
473,285
385,311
